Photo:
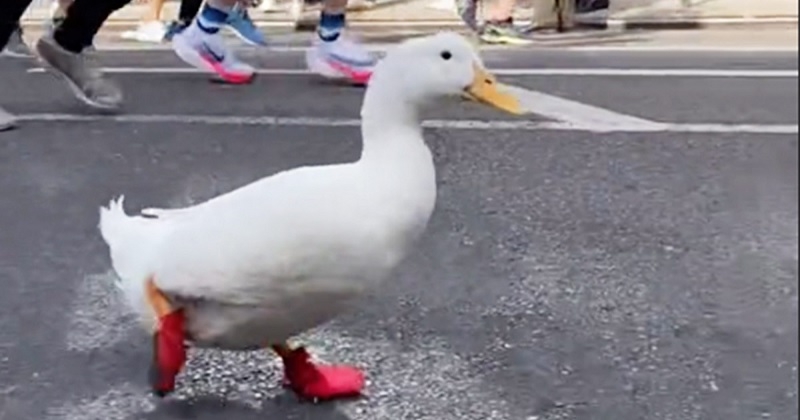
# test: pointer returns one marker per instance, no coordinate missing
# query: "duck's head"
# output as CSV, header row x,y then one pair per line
x,y
446,64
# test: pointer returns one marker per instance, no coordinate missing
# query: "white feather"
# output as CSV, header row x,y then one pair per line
x,y
288,252
132,241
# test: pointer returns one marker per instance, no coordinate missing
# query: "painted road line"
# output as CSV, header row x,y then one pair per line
x,y
678,48
575,113
518,125
382,47
563,114
649,72
577,72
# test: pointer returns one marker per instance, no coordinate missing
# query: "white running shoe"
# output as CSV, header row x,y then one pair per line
x,y
147,32
341,59
209,53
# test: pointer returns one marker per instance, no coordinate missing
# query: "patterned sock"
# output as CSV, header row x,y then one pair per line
x,y
330,26
211,18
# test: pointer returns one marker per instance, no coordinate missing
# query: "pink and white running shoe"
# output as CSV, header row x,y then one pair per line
x,y
341,59
209,53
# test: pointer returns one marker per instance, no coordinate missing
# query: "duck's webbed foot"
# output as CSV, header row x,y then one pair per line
x,y
169,351
318,382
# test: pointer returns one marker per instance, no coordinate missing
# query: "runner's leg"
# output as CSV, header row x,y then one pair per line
x,y
151,28
334,55
10,13
186,14
62,51
202,46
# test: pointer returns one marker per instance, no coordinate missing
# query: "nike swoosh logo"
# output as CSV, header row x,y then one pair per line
x,y
213,54
369,62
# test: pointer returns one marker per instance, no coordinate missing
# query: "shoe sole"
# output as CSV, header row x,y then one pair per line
x,y
333,70
143,40
506,41
190,56
76,90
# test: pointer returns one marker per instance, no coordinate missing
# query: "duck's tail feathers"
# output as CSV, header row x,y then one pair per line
x,y
111,220
132,243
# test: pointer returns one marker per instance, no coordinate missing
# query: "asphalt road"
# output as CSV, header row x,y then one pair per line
x,y
567,273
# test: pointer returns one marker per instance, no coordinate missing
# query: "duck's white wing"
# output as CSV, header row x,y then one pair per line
x,y
263,239
165,214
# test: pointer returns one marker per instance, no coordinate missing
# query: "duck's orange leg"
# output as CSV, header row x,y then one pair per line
x,y
316,382
169,351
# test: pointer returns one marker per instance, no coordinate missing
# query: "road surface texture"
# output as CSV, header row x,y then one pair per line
x,y
628,250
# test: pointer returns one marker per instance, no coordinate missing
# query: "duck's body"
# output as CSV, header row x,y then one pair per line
x,y
281,255
256,266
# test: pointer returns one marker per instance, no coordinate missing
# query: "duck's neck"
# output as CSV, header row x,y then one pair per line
x,y
389,122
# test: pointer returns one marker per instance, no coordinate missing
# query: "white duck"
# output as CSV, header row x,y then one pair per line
x,y
251,268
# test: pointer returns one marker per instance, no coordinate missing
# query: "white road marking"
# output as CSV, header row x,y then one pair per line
x,y
564,114
575,113
676,48
732,128
643,72
519,125
182,70
578,72
611,22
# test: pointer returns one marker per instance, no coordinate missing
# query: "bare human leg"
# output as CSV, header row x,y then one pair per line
x,y
154,12
501,10
59,10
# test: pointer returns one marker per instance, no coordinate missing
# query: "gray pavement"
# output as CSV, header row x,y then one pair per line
x,y
405,12
567,273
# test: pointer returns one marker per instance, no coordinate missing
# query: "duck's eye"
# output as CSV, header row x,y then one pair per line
x,y
446,55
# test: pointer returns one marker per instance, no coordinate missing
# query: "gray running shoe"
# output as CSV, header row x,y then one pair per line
x,y
7,121
82,75
504,33
16,46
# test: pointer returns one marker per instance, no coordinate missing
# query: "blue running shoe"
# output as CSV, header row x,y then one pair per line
x,y
241,24
175,27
